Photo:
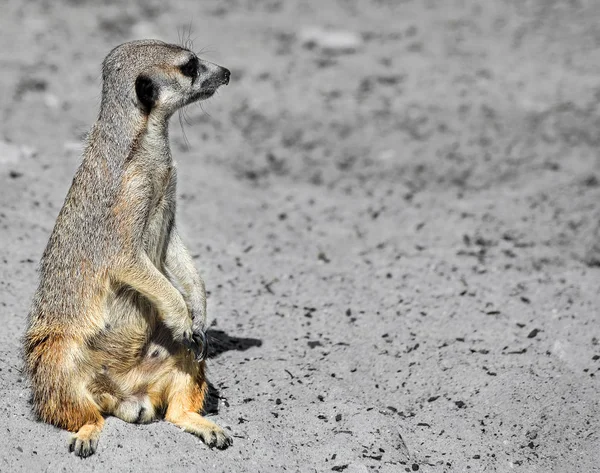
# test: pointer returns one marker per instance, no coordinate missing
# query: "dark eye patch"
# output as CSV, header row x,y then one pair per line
x,y
190,68
147,92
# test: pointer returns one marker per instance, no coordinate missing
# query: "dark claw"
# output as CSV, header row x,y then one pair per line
x,y
200,345
188,340
196,341
228,443
83,449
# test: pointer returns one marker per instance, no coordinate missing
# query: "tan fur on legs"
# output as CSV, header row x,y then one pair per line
x,y
187,393
192,422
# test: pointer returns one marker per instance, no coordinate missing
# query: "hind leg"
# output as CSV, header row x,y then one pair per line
x,y
58,394
85,442
186,399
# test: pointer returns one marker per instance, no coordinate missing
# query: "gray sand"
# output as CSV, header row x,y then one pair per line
x,y
399,236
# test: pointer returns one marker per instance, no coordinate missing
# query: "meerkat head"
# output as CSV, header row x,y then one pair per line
x,y
157,78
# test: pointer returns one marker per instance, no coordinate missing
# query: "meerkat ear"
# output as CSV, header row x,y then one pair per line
x,y
146,91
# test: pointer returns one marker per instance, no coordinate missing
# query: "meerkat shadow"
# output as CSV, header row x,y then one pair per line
x,y
220,342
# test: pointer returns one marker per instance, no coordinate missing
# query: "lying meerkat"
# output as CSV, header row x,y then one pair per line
x,y
117,325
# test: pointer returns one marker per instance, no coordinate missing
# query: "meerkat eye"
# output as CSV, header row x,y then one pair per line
x,y
190,68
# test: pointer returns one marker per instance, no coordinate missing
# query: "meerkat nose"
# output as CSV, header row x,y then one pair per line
x,y
226,75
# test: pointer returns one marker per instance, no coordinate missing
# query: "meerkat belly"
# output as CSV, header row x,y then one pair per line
x,y
131,355
131,369
134,346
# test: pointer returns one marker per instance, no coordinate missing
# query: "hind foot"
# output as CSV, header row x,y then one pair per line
x,y
209,432
85,442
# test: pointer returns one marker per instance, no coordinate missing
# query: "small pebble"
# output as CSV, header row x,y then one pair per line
x,y
533,333
331,41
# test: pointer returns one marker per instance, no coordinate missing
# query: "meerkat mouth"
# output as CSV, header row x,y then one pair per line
x,y
204,94
210,86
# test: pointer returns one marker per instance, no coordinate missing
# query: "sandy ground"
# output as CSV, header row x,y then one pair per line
x,y
400,242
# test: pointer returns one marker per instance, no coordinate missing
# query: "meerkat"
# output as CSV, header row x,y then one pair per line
x,y
117,324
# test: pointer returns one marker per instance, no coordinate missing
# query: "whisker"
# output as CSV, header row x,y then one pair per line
x,y
185,140
189,43
186,117
205,50
204,111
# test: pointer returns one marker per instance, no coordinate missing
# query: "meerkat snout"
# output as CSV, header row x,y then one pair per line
x,y
212,76
217,75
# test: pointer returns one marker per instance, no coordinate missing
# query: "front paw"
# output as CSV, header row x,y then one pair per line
x,y
199,344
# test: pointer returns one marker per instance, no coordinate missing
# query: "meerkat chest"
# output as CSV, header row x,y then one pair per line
x,y
155,157
161,175
162,212
162,185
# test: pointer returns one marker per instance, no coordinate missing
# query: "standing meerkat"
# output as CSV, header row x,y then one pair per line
x,y
117,325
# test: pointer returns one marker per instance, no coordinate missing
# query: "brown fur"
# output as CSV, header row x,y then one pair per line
x,y
119,304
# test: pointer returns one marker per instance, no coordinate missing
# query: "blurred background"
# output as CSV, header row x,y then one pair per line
x,y
394,204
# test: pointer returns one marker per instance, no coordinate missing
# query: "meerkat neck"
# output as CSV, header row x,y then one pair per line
x,y
120,134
